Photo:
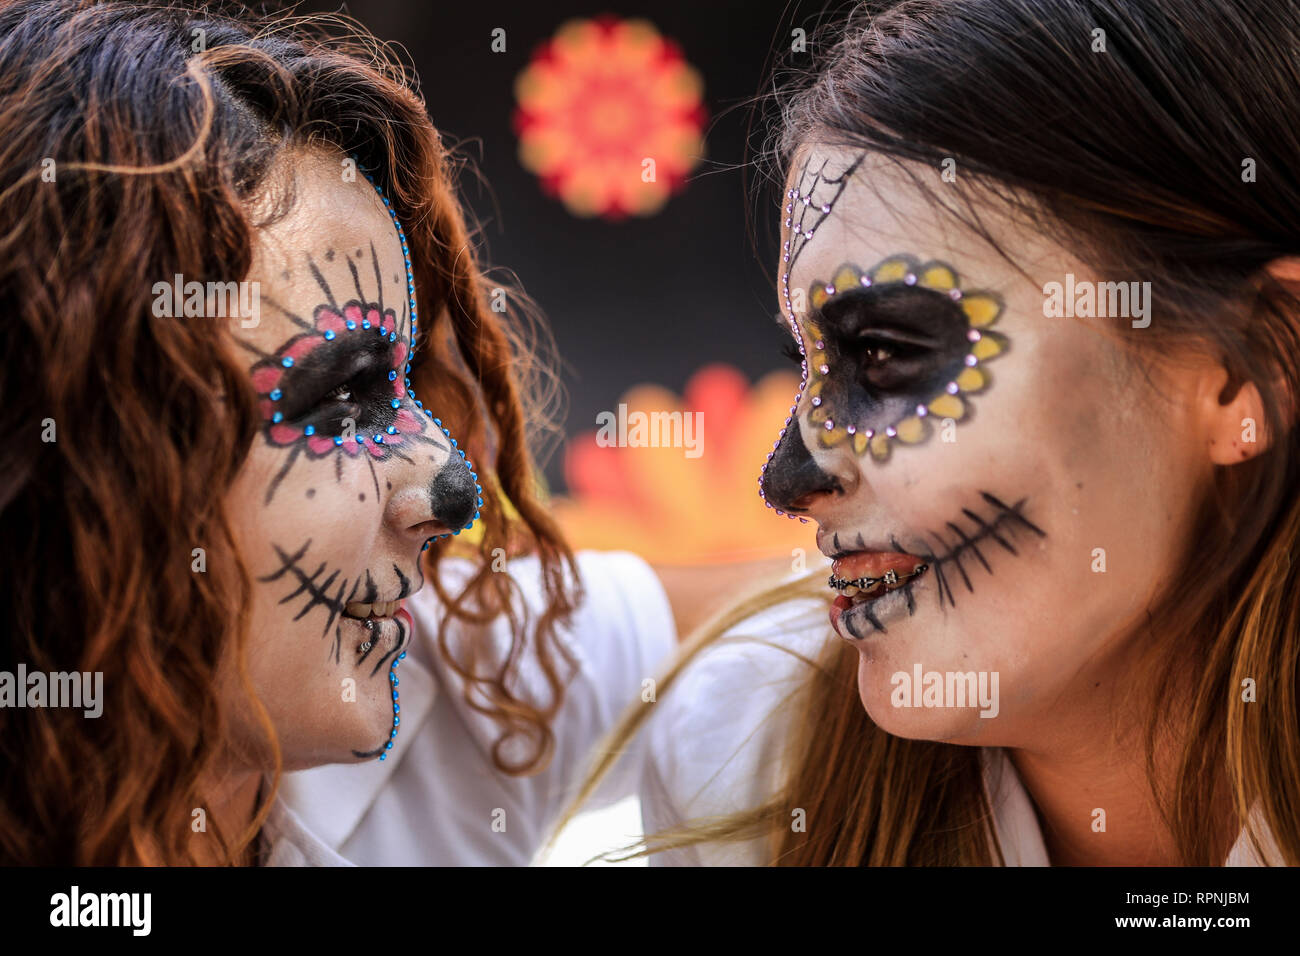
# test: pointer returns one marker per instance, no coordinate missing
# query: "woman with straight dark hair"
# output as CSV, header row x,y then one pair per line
x,y
1040,261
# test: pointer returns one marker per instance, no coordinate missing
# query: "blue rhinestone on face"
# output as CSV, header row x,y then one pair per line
x,y
396,403
287,361
329,335
275,395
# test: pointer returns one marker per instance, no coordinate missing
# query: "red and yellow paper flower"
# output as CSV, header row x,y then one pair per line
x,y
610,117
672,508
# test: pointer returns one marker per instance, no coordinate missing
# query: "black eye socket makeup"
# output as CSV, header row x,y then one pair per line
x,y
890,347
900,344
346,379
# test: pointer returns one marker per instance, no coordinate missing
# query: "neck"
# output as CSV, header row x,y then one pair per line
x,y
1093,795
232,800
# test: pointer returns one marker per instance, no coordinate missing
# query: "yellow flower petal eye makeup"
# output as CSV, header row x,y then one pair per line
x,y
890,348
884,351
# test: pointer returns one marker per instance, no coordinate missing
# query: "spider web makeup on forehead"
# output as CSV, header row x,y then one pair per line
x,y
806,206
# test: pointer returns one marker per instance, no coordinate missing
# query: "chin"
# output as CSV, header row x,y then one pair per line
x,y
942,709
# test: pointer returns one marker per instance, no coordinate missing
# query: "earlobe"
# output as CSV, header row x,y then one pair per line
x,y
1237,427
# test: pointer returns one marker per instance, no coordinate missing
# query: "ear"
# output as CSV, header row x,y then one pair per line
x,y
1233,410
1234,417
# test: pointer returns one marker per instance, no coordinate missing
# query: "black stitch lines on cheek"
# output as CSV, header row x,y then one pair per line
x,y
961,539
962,543
330,590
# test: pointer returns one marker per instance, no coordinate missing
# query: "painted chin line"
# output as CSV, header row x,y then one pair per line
x,y
387,637
861,622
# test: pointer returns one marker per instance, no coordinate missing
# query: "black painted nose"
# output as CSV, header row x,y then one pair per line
x,y
792,476
452,497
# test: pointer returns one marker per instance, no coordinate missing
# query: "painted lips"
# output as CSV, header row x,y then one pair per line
x,y
862,578
382,636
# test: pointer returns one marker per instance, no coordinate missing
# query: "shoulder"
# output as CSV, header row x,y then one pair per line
x,y
716,741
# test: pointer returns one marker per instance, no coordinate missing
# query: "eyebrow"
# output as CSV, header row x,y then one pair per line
x,y
891,299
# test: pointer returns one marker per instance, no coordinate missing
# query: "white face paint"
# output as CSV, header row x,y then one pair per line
x,y
348,478
1066,455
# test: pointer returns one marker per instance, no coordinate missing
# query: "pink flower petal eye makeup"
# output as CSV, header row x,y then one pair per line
x,y
341,386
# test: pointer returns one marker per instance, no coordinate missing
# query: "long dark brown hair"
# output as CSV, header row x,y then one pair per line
x,y
132,139
1136,159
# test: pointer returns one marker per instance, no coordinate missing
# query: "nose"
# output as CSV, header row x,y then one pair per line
x,y
793,480
453,500
433,497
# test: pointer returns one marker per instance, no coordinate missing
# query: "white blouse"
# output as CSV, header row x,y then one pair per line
x,y
716,738
438,799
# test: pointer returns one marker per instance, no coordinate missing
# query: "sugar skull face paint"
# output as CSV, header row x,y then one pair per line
x,y
341,387
895,347
969,545
350,476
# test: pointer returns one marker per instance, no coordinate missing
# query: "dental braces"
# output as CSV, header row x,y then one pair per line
x,y
890,578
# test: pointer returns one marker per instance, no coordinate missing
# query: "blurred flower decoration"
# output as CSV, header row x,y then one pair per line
x,y
610,117
675,509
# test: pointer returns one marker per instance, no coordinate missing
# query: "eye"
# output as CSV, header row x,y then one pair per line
x,y
342,393
878,353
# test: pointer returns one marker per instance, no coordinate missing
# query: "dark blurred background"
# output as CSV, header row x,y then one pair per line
x,y
642,299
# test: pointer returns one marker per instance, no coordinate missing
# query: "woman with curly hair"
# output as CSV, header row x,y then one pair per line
x,y
253,393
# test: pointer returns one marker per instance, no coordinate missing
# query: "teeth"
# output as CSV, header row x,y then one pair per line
x,y
861,586
377,609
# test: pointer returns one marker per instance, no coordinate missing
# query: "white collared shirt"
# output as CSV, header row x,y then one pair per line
x,y
717,737
438,799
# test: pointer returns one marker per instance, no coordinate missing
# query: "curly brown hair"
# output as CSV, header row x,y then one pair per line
x,y
133,138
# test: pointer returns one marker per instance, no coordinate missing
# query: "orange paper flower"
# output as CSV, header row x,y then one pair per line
x,y
610,117
673,508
